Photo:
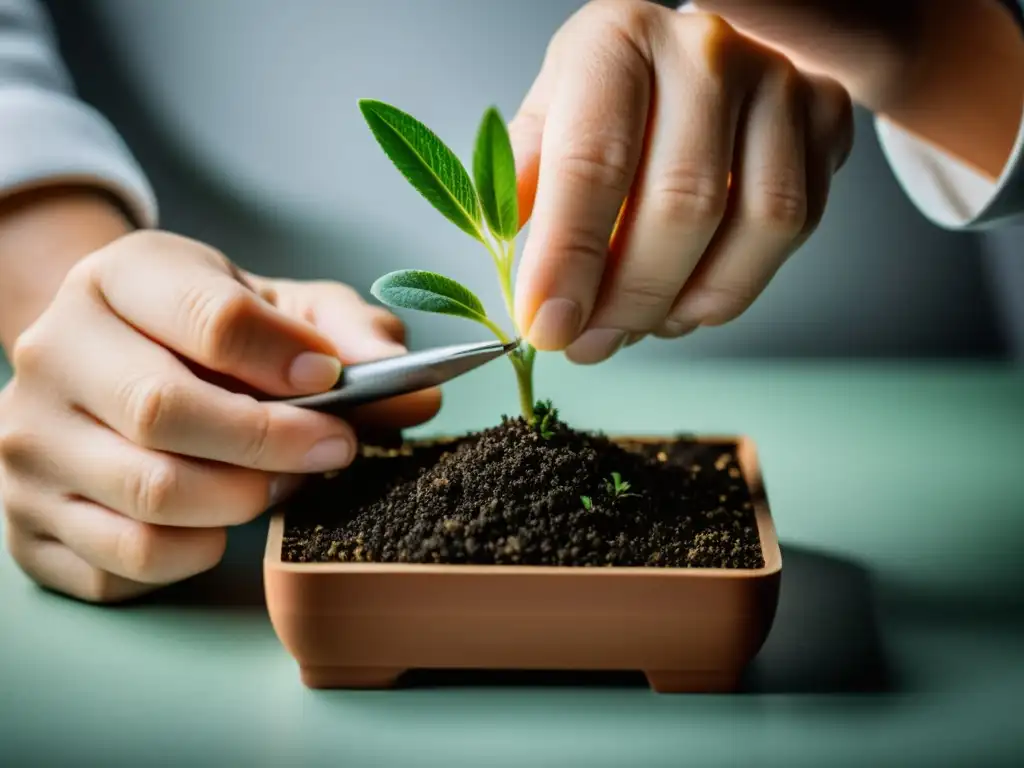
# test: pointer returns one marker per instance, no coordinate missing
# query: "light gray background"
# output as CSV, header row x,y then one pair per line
x,y
244,114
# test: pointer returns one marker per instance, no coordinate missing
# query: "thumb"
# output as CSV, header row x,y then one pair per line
x,y
526,132
189,299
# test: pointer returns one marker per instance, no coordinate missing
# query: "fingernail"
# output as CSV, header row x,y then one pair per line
x,y
331,453
281,487
596,345
674,328
555,325
314,372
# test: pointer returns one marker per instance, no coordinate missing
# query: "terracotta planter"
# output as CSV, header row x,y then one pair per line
x,y
361,625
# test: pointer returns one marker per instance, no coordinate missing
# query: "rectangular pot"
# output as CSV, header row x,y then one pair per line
x,y
361,625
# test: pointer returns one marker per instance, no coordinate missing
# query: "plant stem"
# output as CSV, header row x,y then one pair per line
x,y
496,330
524,377
521,359
505,276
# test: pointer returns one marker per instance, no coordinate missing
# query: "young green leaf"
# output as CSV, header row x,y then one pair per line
x,y
588,503
427,163
494,171
428,292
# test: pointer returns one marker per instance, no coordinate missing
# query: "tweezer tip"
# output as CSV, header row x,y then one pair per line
x,y
511,345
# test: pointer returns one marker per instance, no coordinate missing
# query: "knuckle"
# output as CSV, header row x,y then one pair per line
x,y
150,403
82,276
138,552
528,121
158,240
132,246
257,445
780,203
387,323
620,32
784,74
595,160
17,446
577,249
689,193
100,587
152,489
19,507
833,118
712,38
836,106
628,16
215,317
31,350
646,293
840,129
728,301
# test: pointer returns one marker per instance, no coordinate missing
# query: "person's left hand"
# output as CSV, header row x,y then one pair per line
x,y
671,165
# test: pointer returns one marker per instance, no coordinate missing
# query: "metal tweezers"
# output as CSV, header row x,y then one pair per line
x,y
378,380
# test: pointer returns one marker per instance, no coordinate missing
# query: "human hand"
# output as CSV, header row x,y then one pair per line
x,y
127,443
671,166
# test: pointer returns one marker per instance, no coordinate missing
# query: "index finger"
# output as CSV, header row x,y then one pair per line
x,y
593,137
190,299
142,391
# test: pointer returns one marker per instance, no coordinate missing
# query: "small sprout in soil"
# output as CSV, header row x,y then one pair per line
x,y
618,487
544,417
587,502
485,207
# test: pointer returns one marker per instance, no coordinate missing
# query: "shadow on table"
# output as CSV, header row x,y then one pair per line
x,y
825,639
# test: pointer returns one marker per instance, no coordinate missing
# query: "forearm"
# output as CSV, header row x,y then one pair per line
x,y
949,71
65,174
43,234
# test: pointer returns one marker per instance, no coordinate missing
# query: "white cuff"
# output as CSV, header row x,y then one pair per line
x,y
48,137
945,190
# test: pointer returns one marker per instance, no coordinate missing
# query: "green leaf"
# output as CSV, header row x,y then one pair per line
x,y
494,171
428,292
430,166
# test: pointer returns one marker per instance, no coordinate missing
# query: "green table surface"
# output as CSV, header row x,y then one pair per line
x,y
898,493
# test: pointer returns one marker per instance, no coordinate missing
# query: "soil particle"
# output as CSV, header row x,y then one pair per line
x,y
509,495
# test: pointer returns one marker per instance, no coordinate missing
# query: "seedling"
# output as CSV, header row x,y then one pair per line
x,y
617,486
587,502
485,207
544,416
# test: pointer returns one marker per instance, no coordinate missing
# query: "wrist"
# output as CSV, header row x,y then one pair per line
x,y
965,91
868,47
950,72
44,232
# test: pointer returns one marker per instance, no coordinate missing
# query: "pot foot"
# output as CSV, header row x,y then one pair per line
x,y
676,681
350,677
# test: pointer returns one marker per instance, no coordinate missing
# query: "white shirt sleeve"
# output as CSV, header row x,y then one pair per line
x,y
47,135
946,191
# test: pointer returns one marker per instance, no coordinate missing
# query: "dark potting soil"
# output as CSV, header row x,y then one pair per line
x,y
512,495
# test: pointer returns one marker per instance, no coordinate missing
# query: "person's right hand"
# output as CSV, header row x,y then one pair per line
x,y
121,462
